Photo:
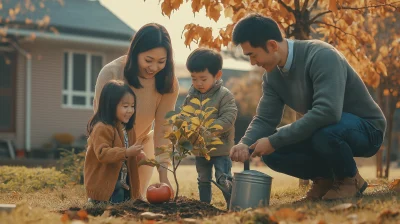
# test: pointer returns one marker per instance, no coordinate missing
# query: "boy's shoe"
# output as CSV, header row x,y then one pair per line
x,y
318,189
346,188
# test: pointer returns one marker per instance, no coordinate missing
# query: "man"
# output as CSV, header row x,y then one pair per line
x,y
341,120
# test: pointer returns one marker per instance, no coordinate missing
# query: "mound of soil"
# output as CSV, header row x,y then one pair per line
x,y
183,208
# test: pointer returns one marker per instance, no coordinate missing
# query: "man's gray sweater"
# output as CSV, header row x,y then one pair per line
x,y
321,85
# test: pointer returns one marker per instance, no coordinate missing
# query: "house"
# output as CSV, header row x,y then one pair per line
x,y
49,61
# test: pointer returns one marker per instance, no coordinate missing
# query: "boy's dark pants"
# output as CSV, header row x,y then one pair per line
x,y
329,152
222,165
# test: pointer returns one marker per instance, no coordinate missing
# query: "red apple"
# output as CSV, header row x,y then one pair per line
x,y
158,193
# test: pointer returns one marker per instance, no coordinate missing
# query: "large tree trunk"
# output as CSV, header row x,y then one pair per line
x,y
301,27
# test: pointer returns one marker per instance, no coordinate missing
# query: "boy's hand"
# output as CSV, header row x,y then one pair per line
x,y
134,150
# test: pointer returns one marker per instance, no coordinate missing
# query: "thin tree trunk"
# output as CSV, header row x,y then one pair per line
x,y
174,169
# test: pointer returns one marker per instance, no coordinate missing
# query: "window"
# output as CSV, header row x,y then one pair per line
x,y
80,75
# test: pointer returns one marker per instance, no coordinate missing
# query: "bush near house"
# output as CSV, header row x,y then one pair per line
x,y
22,179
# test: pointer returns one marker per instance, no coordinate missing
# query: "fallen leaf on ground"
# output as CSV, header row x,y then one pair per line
x,y
388,214
321,222
82,214
77,222
374,185
189,221
75,215
288,213
342,207
106,214
352,217
395,185
151,215
150,222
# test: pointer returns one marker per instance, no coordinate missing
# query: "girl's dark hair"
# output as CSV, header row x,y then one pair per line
x,y
110,96
148,37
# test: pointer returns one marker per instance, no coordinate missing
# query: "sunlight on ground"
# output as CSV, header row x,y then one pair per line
x,y
285,191
282,185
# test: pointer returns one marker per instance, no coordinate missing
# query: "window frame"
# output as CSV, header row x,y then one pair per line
x,y
69,92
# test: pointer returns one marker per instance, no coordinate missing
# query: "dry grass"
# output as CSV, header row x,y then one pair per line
x,y
41,206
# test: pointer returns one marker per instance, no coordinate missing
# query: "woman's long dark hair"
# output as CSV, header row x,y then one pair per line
x,y
148,37
110,96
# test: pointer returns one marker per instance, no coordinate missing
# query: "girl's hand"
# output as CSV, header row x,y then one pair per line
x,y
134,150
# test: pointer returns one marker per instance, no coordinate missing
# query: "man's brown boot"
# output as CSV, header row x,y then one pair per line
x,y
346,188
318,188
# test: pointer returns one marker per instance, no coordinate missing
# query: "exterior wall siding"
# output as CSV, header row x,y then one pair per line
x,y
48,115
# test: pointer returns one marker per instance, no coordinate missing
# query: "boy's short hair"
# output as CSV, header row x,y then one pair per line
x,y
204,58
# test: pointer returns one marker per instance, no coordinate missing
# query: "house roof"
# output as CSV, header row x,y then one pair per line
x,y
81,17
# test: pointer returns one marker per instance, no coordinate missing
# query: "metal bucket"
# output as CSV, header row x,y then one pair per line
x,y
251,189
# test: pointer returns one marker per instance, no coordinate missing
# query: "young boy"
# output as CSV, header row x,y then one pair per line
x,y
205,66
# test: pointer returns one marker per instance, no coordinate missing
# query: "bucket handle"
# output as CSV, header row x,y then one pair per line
x,y
246,164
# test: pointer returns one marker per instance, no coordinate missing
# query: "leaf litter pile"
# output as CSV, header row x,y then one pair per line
x,y
170,211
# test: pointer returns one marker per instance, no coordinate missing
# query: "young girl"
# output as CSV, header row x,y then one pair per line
x,y
108,156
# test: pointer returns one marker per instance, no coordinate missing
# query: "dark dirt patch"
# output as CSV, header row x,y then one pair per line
x,y
183,208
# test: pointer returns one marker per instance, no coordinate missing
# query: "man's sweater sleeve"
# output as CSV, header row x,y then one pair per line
x,y
328,75
268,115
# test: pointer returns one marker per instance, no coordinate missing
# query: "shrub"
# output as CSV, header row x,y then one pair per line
x,y
72,164
24,179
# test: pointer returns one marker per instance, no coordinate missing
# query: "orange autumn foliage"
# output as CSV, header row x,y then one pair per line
x,y
349,25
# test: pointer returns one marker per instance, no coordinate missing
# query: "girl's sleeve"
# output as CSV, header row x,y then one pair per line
x,y
166,104
103,137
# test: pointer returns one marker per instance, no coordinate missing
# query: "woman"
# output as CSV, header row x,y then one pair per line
x,y
148,69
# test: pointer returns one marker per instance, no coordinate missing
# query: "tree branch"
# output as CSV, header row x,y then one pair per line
x,y
166,168
353,8
351,51
286,7
305,4
313,5
319,15
338,28
393,5
297,5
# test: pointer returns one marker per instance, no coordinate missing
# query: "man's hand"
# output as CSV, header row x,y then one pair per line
x,y
240,153
262,147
